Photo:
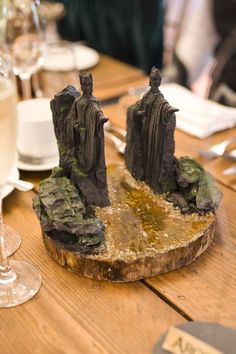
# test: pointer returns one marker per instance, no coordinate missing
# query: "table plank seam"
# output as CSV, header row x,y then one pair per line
x,y
167,301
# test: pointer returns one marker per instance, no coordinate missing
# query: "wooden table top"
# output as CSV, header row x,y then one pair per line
x,y
72,314
111,78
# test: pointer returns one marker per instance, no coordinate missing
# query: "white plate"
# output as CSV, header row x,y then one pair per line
x,y
45,166
8,189
66,58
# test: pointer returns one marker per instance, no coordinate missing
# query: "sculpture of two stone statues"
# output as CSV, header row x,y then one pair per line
x,y
81,178
149,154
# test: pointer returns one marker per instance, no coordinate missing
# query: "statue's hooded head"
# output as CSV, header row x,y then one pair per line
x,y
155,78
86,82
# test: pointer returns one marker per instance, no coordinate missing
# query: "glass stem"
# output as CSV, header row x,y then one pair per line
x,y
7,275
2,33
26,88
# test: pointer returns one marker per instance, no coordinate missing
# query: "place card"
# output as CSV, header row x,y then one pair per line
x,y
180,342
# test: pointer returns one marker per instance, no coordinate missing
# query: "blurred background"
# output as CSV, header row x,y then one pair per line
x,y
193,41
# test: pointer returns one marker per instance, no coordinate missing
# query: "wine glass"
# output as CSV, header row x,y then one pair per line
x,y
7,108
19,281
25,41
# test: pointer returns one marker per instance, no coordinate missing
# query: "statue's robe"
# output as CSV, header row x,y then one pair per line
x,y
78,125
61,106
133,151
86,136
154,139
159,146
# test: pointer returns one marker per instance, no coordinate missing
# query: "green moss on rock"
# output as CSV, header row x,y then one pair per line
x,y
61,212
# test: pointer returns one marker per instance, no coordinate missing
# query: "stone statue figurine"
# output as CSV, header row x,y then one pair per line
x,y
65,199
149,153
64,204
78,122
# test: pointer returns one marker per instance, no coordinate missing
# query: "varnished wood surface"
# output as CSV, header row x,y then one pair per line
x,y
111,78
72,314
205,289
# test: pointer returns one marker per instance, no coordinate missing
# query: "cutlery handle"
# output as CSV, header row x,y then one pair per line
x,y
119,144
229,171
23,186
230,155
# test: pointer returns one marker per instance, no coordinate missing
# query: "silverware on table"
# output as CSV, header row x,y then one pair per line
x,y
111,131
137,91
229,171
109,127
23,186
230,155
217,150
119,144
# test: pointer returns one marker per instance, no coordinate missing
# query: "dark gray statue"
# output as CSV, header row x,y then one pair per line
x,y
150,149
78,122
149,153
65,199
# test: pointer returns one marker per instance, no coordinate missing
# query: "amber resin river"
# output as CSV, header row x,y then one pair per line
x,y
144,236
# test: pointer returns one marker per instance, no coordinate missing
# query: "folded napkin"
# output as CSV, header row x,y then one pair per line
x,y
198,116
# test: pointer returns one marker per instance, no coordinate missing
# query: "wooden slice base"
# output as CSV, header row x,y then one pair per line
x,y
145,235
